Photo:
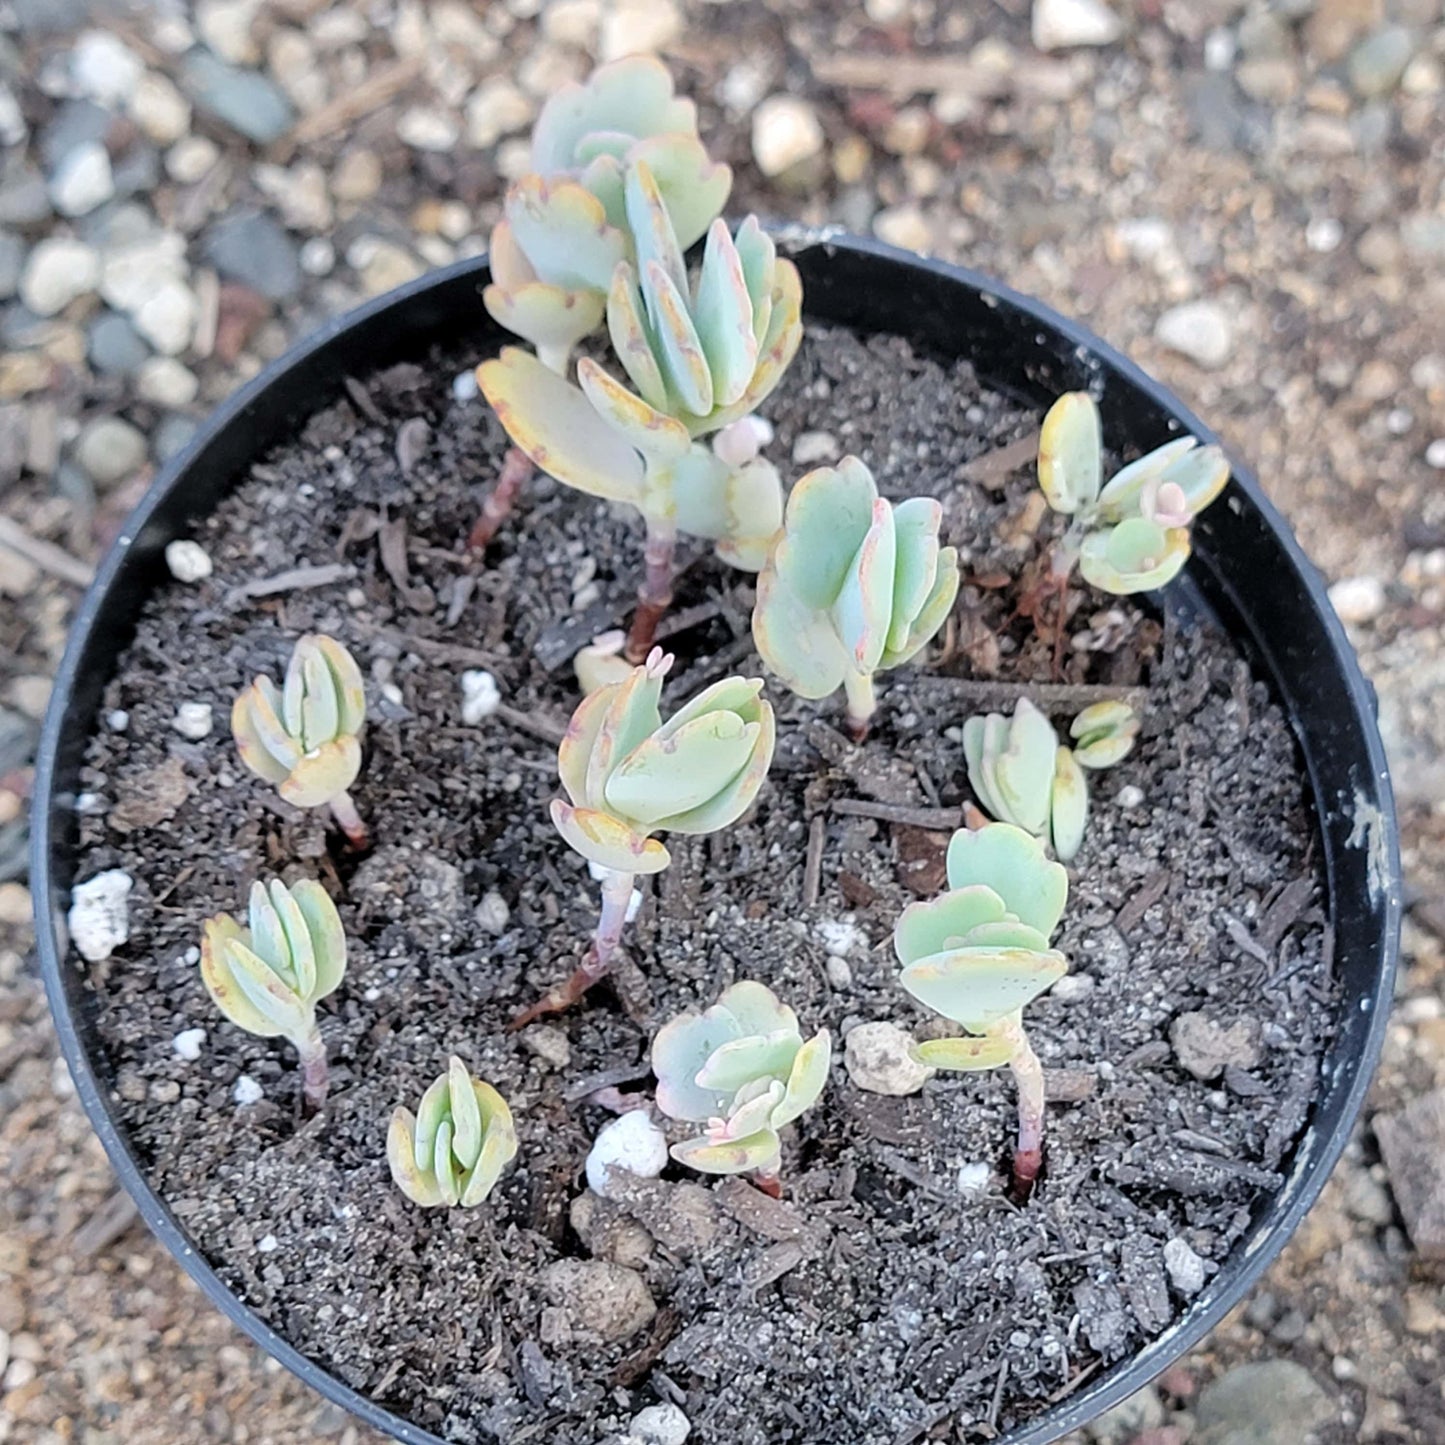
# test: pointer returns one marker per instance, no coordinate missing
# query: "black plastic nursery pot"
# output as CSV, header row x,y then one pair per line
x,y
1247,570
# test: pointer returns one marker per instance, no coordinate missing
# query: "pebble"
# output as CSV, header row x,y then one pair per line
x,y
300,193
1130,797
24,200
383,264
117,719
426,129
58,271
1066,24
601,1298
187,1044
879,1058
632,1142
814,446
247,1091
114,346
99,916
1268,1402
191,158
1072,987
104,68
1205,1048
974,1177
1199,330
492,913
631,27
188,561
159,109
659,1425
1377,63
12,263
786,132
1143,1410
357,176
1358,599
1412,1142
1324,234
318,256
464,386
840,975
110,449
1186,1269
164,381
1435,454
243,99
498,108
225,25
549,1044
193,720
252,247
167,319
480,696
904,226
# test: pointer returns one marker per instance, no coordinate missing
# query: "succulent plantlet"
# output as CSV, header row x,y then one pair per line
x,y
454,1148
854,585
269,977
305,736
743,1069
1131,533
628,775
980,954
1023,775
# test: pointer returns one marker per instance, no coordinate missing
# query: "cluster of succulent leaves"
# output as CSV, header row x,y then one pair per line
x,y
980,953
453,1149
621,188
853,586
1131,533
628,774
1022,774
744,1070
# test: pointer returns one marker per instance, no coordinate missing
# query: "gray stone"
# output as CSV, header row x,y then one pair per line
x,y
12,262
245,100
114,346
49,17
1143,1410
1413,1145
138,171
23,197
76,123
1221,117
252,247
1272,1402
599,1298
1423,235
1205,1048
110,449
1199,330
1377,62
172,434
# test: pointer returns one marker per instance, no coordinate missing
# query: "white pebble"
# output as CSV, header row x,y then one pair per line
x,y
1064,24
1072,987
188,561
267,1243
480,696
840,976
82,180
1199,330
786,131
193,720
1129,796
879,1057
815,446
103,68
632,1142
973,1177
1324,234
318,256
247,1091
1358,599
1185,1267
99,914
117,720
840,936
1435,454
634,905
492,913
464,386
659,1425
187,1044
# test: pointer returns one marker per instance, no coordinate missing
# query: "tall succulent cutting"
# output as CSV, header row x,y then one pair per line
x,y
980,954
1131,533
268,978
854,585
628,775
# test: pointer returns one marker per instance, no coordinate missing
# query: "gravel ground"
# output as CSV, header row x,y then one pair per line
x,y
1247,197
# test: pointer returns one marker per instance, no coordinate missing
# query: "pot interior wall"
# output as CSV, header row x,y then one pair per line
x,y
1247,570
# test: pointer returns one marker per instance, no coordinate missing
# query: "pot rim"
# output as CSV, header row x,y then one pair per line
x,y
1251,1255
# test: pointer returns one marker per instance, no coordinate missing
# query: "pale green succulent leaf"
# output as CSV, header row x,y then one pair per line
x,y
932,615
967,1054
653,237
757,256
680,1052
1121,494
731,801
430,1114
981,743
862,607
418,1185
267,938
756,1009
267,992
663,777
927,928
1201,474
740,695
1071,453
466,1114
694,188
632,715
300,955
798,643
660,438
723,312
680,348
741,1061
1068,807
1005,933
753,499
1135,556
328,938
220,933
1011,862
753,1107
553,318
632,340
608,842
915,524
574,753
320,710
735,1156
776,350
499,1145
347,679
828,515
1023,771
444,1162
1105,752
563,231
806,1079
323,774
978,986
260,734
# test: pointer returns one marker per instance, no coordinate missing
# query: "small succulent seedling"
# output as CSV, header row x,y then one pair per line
x,y
1023,775
854,585
1130,534
743,1069
979,954
628,775
305,736
454,1148
268,978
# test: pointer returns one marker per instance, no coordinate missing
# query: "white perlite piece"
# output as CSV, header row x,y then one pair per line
x,y
480,696
840,936
247,1091
1186,1269
879,1058
786,131
100,915
187,1044
659,1425
1199,330
1358,599
1063,24
632,1142
193,720
973,1177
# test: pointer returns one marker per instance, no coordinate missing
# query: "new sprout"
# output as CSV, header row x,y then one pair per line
x,y
268,978
1130,534
743,1069
854,585
979,954
305,736
628,775
454,1148
1023,775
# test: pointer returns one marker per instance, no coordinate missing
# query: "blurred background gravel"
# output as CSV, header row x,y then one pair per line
x,y
1245,195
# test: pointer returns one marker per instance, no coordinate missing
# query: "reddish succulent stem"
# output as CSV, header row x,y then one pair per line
x,y
654,597
315,1076
516,470
1029,1077
616,897
350,822
767,1181
862,703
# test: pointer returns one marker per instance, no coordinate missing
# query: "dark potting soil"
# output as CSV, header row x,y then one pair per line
x,y
896,1287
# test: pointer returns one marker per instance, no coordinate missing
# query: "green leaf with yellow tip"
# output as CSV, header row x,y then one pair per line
x,y
924,929
574,753
724,313
563,231
806,1080
1105,734
1071,453
553,318
977,986
1135,556
679,348
220,981
694,188
932,615
734,1156
632,714
776,350
1120,495
632,337
654,240
1068,806
453,1150
606,841
328,938
659,437
419,1185
323,774
965,1055
664,777
1012,863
